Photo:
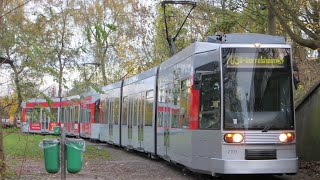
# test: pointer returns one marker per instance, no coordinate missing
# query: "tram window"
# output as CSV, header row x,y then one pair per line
x,y
66,114
149,108
160,119
36,115
184,103
210,102
72,116
62,115
96,111
106,111
76,112
116,111
125,111
54,113
175,121
136,110
89,114
29,116
111,112
142,109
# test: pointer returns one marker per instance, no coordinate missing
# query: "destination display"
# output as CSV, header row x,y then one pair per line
x,y
247,58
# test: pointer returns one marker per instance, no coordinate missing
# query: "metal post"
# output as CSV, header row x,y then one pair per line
x,y
62,145
63,153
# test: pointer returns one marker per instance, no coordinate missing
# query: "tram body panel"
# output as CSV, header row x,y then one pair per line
x,y
95,131
89,113
176,118
110,113
138,112
35,118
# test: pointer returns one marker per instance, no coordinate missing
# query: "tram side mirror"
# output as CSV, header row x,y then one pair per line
x,y
296,77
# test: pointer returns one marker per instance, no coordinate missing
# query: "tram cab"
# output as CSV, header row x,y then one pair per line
x,y
240,113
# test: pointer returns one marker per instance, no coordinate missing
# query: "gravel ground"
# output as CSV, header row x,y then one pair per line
x,y
136,166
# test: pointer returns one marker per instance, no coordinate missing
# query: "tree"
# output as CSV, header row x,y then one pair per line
x,y
55,45
300,19
113,29
17,38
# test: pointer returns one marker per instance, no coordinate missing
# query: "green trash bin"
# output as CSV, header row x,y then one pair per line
x,y
51,149
75,149
56,130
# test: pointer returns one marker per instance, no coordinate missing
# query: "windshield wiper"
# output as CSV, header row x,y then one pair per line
x,y
266,129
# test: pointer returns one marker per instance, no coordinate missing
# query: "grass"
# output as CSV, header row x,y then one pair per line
x,y
96,152
18,146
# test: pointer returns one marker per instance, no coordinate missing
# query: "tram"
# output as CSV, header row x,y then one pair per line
x,y
239,115
89,117
224,106
39,116
70,115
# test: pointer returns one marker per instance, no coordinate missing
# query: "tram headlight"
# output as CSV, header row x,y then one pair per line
x,y
286,137
233,138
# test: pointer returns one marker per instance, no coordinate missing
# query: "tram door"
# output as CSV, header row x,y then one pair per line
x,y
137,128
110,114
166,119
140,110
44,121
130,119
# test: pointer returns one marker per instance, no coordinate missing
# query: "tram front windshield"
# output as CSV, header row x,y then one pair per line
x,y
257,89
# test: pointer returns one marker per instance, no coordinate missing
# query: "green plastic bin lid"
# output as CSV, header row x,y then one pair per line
x,y
51,140
48,143
74,140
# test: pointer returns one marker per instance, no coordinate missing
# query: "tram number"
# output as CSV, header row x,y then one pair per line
x,y
232,152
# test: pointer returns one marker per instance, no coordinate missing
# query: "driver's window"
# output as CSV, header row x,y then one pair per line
x,y
209,86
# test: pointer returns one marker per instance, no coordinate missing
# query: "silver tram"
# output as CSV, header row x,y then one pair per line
x,y
226,106
219,107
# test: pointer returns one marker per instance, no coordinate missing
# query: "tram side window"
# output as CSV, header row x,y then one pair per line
x,y
149,108
76,111
96,111
207,80
136,109
111,112
116,111
125,111
66,114
142,108
89,114
106,111
62,114
29,115
184,103
209,116
54,113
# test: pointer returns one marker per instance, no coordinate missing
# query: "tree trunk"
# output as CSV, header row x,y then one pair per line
x,y
271,23
103,67
2,157
18,88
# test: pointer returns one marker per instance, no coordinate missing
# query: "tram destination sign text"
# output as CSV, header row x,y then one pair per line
x,y
240,62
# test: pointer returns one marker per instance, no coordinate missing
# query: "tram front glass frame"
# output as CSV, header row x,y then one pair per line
x,y
257,89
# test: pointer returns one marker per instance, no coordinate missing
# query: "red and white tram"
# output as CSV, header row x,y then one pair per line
x,y
39,116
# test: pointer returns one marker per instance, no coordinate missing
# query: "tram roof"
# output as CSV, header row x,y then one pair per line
x,y
246,38
112,86
194,48
141,76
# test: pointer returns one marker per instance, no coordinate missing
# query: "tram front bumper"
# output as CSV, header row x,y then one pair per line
x,y
278,166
